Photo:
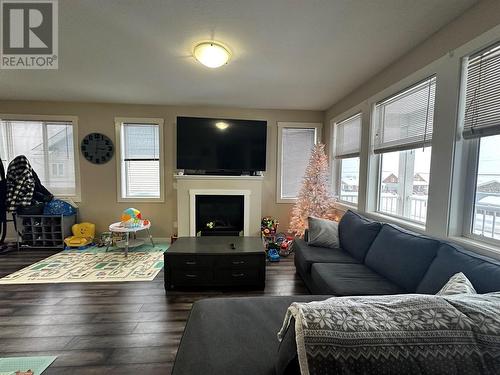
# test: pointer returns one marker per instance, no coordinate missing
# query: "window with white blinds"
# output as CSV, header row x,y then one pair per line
x,y
348,137
295,146
405,121
49,147
482,97
140,160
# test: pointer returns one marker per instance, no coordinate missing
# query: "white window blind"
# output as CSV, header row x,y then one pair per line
x,y
296,146
404,121
482,97
45,144
348,137
140,160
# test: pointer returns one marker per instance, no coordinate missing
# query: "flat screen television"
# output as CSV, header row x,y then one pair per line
x,y
221,145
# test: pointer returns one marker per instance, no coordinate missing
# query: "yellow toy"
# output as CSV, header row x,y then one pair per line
x,y
83,235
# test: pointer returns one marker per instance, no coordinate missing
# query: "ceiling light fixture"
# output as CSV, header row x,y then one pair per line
x,y
221,125
212,54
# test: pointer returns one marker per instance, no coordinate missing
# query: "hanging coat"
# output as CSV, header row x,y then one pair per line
x,y
3,208
20,184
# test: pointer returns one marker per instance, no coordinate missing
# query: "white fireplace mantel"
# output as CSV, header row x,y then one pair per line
x,y
188,187
192,206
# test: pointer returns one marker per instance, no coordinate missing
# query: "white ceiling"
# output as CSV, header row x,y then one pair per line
x,y
289,54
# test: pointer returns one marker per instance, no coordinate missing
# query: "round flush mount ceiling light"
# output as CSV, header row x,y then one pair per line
x,y
221,125
212,54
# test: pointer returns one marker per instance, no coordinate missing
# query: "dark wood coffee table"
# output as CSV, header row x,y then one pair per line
x,y
215,261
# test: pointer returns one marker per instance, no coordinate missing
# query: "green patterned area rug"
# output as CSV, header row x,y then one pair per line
x,y
93,265
36,364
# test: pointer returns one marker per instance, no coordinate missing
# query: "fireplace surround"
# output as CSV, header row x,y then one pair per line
x,y
188,187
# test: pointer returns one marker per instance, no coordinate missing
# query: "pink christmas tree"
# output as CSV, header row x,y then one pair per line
x,y
314,197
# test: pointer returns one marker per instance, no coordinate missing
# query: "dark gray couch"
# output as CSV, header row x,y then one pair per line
x,y
238,335
376,259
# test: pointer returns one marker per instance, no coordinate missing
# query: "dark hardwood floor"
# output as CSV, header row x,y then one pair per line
x,y
106,328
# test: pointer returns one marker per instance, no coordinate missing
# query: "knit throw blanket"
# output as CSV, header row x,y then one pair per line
x,y
402,334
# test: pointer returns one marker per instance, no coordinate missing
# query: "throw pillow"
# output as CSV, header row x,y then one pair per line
x,y
323,233
458,284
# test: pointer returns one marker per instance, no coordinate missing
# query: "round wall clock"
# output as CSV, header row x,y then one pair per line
x,y
97,148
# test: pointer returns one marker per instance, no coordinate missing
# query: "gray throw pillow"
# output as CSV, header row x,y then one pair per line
x,y
458,284
323,232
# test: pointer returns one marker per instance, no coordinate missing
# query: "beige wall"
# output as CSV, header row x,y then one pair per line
x,y
477,20
98,182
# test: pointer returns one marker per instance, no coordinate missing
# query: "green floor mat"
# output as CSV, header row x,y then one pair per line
x,y
38,365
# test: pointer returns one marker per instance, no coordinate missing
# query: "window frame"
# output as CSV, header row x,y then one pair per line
x,y
317,126
468,160
119,121
77,197
336,164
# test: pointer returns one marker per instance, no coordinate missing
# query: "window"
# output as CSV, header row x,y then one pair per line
x,y
481,130
140,159
404,183
347,136
45,143
402,139
295,143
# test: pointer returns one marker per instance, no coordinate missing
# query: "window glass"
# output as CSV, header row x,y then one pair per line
x,y
140,161
45,144
404,183
349,180
486,215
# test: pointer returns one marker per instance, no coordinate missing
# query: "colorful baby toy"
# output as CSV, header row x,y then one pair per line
x,y
132,218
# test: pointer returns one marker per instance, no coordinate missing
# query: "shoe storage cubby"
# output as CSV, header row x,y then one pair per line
x,y
43,231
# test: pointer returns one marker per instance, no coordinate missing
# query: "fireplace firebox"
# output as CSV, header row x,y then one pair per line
x,y
219,215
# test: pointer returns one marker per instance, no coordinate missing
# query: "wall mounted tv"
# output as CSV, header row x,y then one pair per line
x,y
221,146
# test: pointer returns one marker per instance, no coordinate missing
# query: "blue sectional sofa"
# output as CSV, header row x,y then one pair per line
x,y
377,258
238,335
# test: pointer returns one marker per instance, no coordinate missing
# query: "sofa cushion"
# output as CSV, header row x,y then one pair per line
x,y
306,255
350,280
401,256
323,232
483,273
356,234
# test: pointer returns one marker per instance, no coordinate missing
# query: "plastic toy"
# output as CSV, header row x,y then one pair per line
x,y
269,225
273,255
131,218
105,239
83,235
285,246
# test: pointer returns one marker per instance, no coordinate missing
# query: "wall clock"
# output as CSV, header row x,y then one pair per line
x,y
97,148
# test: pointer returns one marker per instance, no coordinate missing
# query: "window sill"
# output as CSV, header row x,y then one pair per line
x,y
140,200
286,200
420,228
477,246
345,206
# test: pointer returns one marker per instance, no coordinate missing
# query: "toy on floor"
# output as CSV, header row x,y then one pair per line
x,y
273,256
83,235
19,372
285,247
105,239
